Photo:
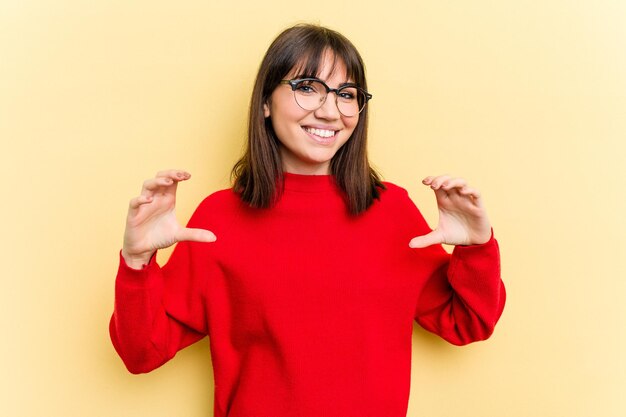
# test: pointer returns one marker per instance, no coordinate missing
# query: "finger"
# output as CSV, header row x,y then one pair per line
x,y
470,195
429,179
469,191
453,183
154,184
195,235
435,184
441,194
432,238
136,202
174,174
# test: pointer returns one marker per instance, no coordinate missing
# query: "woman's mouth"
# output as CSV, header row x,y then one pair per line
x,y
322,136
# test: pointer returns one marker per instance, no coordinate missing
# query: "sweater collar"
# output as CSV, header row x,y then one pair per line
x,y
309,183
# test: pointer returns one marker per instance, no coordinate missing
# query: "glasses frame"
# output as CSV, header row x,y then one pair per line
x,y
294,84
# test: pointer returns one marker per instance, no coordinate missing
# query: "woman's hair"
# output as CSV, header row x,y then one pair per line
x,y
258,175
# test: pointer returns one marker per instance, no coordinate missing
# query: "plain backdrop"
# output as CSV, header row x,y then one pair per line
x,y
525,99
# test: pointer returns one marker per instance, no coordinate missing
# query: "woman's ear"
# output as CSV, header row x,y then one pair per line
x,y
266,110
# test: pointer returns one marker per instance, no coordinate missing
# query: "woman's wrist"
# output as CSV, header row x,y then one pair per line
x,y
136,261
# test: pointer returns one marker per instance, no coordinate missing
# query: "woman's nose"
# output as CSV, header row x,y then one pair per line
x,y
328,109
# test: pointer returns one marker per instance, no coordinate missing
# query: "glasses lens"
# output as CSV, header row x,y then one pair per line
x,y
310,94
350,101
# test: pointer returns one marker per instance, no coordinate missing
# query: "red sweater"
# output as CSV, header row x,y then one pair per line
x,y
309,310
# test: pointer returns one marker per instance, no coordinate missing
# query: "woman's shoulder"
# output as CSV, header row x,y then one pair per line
x,y
393,198
221,199
393,190
393,187
218,203
397,199
217,208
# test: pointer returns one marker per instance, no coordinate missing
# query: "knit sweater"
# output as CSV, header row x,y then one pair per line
x,y
308,309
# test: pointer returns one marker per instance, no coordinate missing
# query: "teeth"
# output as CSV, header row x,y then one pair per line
x,y
320,132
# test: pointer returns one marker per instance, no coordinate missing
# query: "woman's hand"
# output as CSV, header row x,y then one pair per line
x,y
151,223
462,217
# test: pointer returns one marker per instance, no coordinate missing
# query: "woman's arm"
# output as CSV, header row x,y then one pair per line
x,y
144,334
464,296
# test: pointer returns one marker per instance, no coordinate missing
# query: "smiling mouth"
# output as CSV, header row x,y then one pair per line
x,y
324,136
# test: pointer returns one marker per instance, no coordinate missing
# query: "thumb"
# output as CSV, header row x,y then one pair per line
x,y
195,235
432,238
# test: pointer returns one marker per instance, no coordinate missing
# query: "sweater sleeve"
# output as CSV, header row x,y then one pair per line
x,y
160,310
462,295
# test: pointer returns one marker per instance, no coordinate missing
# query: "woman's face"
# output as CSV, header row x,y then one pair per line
x,y
310,139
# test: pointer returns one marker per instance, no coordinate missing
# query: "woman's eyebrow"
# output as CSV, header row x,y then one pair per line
x,y
300,76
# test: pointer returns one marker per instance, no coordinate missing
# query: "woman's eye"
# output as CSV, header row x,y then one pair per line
x,y
347,95
307,87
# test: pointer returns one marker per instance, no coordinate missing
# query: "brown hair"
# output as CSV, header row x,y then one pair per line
x,y
257,175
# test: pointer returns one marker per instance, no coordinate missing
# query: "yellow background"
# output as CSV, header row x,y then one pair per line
x,y
526,99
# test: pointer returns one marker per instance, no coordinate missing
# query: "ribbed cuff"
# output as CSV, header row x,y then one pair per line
x,y
137,278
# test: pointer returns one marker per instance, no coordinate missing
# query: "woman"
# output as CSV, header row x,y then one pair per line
x,y
310,289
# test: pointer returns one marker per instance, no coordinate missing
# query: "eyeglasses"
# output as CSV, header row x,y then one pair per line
x,y
311,93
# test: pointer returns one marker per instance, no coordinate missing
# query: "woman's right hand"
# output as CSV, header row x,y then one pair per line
x,y
151,223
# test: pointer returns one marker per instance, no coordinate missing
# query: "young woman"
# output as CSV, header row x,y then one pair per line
x,y
308,273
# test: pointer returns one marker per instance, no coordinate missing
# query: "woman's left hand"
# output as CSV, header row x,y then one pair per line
x,y
462,217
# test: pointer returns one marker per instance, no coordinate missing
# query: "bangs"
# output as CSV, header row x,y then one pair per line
x,y
312,61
